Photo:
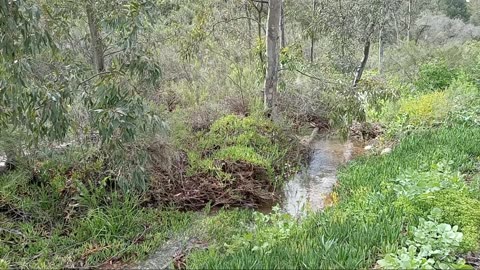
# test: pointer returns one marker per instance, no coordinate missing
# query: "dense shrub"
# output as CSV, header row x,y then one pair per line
x,y
431,246
459,208
424,109
435,75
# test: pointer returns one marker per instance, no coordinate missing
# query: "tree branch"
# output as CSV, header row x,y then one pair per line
x,y
94,76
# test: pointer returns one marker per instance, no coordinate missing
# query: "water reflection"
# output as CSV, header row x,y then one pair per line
x,y
310,188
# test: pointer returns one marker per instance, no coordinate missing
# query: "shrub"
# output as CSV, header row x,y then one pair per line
x,y
251,139
433,76
439,188
425,109
465,96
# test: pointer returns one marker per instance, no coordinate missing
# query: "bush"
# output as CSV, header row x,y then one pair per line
x,y
458,207
465,96
425,109
434,76
440,188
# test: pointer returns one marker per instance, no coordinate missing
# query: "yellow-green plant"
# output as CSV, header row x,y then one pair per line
x,y
425,109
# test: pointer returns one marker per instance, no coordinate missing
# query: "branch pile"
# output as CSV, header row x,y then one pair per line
x,y
249,187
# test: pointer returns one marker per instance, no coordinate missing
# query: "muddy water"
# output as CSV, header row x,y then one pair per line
x,y
310,188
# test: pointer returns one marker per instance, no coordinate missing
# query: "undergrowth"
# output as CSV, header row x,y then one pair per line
x,y
67,214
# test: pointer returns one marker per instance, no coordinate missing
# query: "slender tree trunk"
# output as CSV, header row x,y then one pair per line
x,y
260,11
409,20
381,42
361,67
283,36
381,51
312,41
395,25
96,40
272,42
249,27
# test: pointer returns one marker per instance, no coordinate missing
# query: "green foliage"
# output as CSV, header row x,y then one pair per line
x,y
434,76
373,91
219,228
457,103
251,139
455,9
458,207
44,236
439,177
425,109
465,96
241,153
269,230
432,246
367,220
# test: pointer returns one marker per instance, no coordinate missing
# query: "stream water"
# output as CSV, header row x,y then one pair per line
x,y
311,187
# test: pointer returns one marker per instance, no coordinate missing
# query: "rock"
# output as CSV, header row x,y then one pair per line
x,y
385,151
3,163
368,147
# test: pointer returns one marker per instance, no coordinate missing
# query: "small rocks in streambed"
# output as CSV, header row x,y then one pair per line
x,y
3,163
385,151
368,147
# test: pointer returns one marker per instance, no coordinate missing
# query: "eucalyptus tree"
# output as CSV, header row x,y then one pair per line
x,y
271,78
474,10
55,66
455,9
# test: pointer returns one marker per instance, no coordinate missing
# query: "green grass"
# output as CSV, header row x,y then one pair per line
x,y
43,229
365,224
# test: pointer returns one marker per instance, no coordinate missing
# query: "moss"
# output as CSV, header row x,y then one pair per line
x,y
252,139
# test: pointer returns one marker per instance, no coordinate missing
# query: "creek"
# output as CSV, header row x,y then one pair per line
x,y
311,188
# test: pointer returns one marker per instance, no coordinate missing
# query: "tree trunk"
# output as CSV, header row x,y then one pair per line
x,y
272,40
249,27
395,25
361,67
312,41
96,40
283,36
260,11
381,42
381,50
409,20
